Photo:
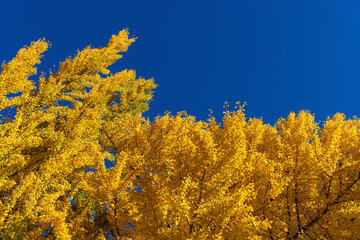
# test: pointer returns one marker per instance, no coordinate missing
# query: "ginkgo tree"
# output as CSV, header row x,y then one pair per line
x,y
173,177
54,136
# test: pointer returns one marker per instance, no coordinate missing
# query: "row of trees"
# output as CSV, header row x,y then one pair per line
x,y
173,178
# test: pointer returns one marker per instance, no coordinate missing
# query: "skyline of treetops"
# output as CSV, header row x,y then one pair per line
x,y
174,177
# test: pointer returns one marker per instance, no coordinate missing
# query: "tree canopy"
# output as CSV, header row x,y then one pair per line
x,y
170,178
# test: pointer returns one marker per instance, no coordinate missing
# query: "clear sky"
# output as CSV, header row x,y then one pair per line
x,y
278,56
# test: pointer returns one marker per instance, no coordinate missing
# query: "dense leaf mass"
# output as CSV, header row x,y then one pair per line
x,y
172,178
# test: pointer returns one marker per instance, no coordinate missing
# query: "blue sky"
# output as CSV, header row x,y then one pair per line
x,y
278,56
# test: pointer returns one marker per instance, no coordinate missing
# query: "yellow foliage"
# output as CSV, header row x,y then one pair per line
x,y
47,147
173,178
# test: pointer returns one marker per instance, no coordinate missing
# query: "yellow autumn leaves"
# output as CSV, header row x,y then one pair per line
x,y
173,178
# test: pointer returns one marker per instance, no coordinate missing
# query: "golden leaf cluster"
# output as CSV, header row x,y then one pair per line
x,y
172,178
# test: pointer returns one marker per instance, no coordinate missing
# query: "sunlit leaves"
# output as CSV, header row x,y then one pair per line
x,y
55,136
173,178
